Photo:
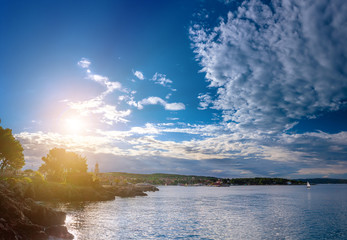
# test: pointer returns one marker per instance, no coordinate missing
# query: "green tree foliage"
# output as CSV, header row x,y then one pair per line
x,y
11,151
60,163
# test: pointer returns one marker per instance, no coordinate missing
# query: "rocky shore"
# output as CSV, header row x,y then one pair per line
x,y
49,191
132,190
22,218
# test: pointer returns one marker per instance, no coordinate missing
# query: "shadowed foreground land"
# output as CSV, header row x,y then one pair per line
x,y
23,218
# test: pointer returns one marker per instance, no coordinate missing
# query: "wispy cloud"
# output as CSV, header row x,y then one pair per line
x,y
84,63
168,96
274,65
158,100
139,75
108,113
172,118
205,101
161,79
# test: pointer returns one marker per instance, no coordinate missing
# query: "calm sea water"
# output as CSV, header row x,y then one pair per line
x,y
237,212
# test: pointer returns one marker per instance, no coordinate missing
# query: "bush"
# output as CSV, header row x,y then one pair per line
x,y
38,177
27,179
80,179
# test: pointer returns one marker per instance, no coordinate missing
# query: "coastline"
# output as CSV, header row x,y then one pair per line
x,y
24,214
23,218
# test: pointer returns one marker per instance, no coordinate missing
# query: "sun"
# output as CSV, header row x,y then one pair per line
x,y
74,125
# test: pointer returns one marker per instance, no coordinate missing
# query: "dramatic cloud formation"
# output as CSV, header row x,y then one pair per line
x,y
268,69
215,148
276,64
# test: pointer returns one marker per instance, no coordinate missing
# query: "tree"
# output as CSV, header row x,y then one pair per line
x,y
59,163
11,151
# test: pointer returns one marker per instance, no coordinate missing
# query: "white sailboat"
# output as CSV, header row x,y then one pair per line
x,y
308,185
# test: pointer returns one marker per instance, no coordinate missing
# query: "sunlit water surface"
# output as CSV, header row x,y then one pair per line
x,y
237,212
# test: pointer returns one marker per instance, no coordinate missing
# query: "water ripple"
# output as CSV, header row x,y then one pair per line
x,y
238,212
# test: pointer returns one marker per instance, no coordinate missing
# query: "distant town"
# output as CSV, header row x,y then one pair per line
x,y
119,178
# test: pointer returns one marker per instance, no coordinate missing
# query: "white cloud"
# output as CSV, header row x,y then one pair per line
x,y
148,129
247,152
205,101
111,115
96,106
275,65
111,86
158,100
174,106
172,118
108,113
139,75
161,79
98,78
84,63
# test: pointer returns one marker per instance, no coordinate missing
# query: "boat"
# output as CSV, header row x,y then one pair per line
x,y
308,185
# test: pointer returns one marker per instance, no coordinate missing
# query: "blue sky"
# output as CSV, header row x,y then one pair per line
x,y
222,88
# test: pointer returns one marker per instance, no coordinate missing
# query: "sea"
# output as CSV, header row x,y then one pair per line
x,y
235,212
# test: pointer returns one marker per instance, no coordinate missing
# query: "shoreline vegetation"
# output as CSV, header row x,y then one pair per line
x,y
23,214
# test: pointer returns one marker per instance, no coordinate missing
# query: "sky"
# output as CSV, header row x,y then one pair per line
x,y
216,88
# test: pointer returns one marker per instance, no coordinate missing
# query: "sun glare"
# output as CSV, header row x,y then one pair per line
x,y
74,125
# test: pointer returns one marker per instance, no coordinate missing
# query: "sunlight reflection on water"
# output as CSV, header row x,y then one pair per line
x,y
237,212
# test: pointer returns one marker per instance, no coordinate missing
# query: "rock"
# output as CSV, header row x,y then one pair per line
x,y
27,230
42,215
59,232
129,190
145,187
6,232
22,218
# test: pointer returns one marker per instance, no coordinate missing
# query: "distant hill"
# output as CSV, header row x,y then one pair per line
x,y
162,178
263,181
324,180
168,175
176,179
